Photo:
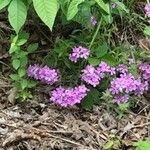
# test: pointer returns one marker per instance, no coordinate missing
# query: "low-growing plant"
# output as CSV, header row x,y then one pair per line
x,y
19,63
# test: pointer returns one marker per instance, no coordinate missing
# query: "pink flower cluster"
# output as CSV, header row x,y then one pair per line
x,y
68,97
125,85
44,74
147,10
79,52
93,75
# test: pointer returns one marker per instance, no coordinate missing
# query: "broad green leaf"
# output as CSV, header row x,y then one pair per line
x,y
104,5
17,14
14,77
46,10
24,84
4,3
73,8
13,48
147,30
108,145
142,145
32,47
21,42
21,72
94,61
16,63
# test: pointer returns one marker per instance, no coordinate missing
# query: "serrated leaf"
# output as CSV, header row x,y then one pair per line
x,y
46,10
16,63
4,3
32,47
73,8
13,48
17,13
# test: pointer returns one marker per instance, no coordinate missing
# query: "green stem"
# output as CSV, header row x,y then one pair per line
x,y
95,34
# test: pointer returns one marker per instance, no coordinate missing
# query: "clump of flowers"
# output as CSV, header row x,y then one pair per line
x,y
93,75
147,10
68,97
125,85
93,21
90,75
79,52
123,69
104,69
44,74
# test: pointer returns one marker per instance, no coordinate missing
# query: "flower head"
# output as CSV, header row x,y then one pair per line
x,y
147,10
90,76
44,74
123,69
93,21
79,52
68,97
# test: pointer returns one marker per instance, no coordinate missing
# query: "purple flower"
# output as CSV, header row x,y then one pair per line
x,y
104,69
79,52
90,76
126,84
145,69
48,75
68,97
123,69
113,5
44,74
121,98
93,21
33,71
147,10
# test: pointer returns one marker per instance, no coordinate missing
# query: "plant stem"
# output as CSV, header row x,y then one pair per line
x,y
95,34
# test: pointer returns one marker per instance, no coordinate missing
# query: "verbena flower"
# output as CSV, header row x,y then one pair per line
x,y
33,71
90,76
79,52
147,10
123,69
93,21
104,69
68,97
126,84
48,75
120,98
145,69
44,74
113,5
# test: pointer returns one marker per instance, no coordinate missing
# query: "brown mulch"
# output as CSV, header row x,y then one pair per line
x,y
39,125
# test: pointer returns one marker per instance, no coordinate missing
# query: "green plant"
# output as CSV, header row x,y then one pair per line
x,y
19,63
142,145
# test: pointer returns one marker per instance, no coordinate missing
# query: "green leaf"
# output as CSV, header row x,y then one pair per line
x,y
142,145
4,3
14,77
13,48
73,8
108,145
24,84
109,59
31,84
94,61
32,47
90,99
16,63
46,10
120,5
101,50
17,14
21,42
147,30
21,72
104,5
